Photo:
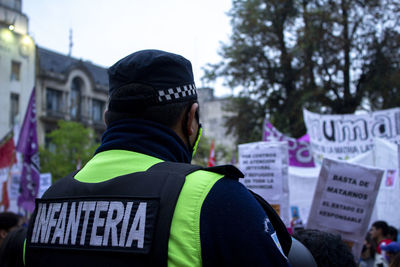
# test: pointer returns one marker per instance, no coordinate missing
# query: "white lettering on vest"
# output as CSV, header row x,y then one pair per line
x,y
73,223
125,224
60,227
96,240
111,224
60,223
88,206
138,226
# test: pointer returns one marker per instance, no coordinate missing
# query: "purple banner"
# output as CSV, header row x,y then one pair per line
x,y
28,146
299,149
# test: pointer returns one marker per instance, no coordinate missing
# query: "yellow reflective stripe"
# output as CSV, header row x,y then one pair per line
x,y
184,245
113,163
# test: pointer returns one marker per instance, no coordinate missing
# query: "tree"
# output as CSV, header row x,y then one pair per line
x,y
247,124
70,143
317,54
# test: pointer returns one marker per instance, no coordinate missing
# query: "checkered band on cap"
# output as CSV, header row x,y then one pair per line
x,y
173,94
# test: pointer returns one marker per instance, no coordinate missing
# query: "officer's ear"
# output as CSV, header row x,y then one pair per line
x,y
192,123
105,117
3,234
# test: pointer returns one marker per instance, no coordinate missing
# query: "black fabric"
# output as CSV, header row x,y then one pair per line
x,y
235,230
145,137
283,235
159,69
11,249
229,171
163,181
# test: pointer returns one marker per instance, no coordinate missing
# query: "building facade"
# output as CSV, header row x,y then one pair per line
x,y
212,116
69,89
17,64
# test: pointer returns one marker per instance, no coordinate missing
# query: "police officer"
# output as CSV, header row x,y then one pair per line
x,y
138,201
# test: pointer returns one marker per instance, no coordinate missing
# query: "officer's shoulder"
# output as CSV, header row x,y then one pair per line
x,y
228,171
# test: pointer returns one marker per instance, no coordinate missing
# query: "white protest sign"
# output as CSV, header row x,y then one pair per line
x,y
45,183
265,168
344,199
348,135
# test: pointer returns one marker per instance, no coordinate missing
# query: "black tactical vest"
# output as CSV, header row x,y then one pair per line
x,y
124,221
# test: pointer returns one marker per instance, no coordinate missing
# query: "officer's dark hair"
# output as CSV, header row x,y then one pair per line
x,y
327,249
166,114
396,261
392,233
383,226
8,220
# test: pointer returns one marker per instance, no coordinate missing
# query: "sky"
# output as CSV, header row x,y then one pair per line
x,y
105,31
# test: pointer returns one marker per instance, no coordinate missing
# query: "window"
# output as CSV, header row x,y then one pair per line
x,y
97,110
15,70
75,99
53,100
14,109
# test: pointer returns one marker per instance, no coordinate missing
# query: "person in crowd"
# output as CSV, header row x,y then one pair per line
x,y
392,233
11,250
327,249
379,232
391,250
139,201
368,252
8,222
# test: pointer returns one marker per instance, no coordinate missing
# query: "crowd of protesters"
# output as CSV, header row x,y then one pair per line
x,y
381,247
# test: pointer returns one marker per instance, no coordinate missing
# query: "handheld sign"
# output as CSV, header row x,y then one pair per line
x,y
344,199
265,168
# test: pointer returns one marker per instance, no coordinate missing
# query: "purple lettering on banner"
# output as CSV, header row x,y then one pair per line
x,y
28,146
299,149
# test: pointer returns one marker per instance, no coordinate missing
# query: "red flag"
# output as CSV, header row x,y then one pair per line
x,y
7,151
5,201
211,156
7,159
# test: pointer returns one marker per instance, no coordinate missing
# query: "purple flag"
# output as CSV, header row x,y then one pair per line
x,y
299,149
28,146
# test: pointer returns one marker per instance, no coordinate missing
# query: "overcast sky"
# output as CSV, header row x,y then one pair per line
x,y
105,31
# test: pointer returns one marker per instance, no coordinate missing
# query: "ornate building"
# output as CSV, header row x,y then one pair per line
x,y
66,88
69,89
17,64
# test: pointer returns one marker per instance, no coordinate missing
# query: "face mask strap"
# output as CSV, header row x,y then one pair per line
x,y
196,144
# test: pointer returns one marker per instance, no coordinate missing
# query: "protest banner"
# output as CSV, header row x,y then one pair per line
x,y
344,199
348,135
265,168
45,183
299,149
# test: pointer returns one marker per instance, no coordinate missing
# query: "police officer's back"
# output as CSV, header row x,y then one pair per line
x,y
138,201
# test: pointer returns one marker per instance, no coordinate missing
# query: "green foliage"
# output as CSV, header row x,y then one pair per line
x,y
326,56
247,124
69,143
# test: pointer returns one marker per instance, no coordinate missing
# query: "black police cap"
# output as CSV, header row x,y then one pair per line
x,y
168,77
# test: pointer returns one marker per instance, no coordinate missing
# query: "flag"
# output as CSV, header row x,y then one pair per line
x,y
300,154
28,146
211,156
7,159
